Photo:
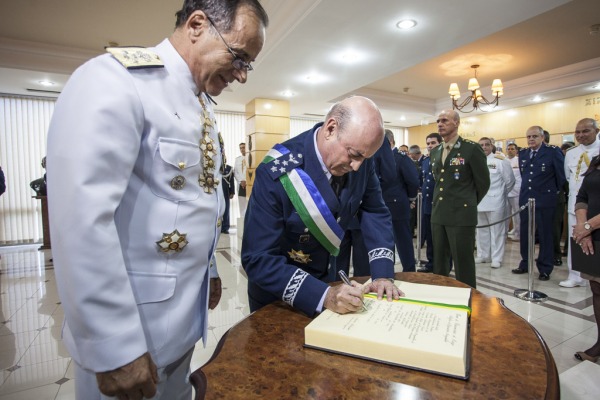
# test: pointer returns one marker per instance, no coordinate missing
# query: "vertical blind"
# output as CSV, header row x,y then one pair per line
x,y
23,130
24,125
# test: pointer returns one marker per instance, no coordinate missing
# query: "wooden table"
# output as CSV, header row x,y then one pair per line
x,y
262,357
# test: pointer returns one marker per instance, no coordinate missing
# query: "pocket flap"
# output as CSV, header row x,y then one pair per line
x,y
174,152
152,287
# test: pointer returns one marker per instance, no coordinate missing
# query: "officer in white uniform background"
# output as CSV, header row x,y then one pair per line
x,y
512,150
134,157
577,161
493,208
239,172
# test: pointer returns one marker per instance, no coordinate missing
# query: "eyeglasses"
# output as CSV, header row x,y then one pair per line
x,y
238,63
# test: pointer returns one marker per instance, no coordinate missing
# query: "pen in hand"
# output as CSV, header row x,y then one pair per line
x,y
346,280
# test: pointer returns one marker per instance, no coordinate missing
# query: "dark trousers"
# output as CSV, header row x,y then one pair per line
x,y
404,244
455,243
427,239
225,225
557,229
543,227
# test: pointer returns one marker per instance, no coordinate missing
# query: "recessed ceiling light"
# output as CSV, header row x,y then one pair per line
x,y
268,106
314,78
536,99
46,83
288,93
402,118
406,24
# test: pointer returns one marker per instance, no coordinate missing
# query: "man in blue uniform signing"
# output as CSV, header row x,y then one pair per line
x,y
305,194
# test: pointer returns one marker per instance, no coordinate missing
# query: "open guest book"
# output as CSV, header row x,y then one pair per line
x,y
427,330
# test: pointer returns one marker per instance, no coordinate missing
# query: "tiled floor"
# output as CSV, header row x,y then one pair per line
x,y
35,365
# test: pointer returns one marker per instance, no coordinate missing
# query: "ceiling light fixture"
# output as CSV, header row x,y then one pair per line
x,y
287,93
46,83
476,97
406,24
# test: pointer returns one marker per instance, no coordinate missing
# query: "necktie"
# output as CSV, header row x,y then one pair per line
x,y
532,155
445,153
337,183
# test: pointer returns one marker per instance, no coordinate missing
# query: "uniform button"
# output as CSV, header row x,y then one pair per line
x,y
338,219
529,188
441,189
219,223
442,170
305,230
442,180
441,198
465,205
530,180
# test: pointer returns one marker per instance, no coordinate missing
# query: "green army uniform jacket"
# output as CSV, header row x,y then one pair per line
x,y
460,185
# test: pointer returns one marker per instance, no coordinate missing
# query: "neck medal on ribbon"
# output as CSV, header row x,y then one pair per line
x,y
209,152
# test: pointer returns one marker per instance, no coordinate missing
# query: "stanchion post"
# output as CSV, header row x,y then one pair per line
x,y
419,212
529,294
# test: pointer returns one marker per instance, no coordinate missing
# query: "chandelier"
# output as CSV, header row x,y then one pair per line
x,y
476,97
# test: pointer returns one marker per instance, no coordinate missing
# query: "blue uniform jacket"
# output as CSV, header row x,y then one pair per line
x,y
427,187
274,232
399,180
541,177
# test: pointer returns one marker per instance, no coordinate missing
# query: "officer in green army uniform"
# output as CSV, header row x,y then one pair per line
x,y
462,179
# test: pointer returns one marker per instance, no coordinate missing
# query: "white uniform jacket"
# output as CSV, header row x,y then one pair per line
x,y
575,165
502,181
117,140
514,163
239,171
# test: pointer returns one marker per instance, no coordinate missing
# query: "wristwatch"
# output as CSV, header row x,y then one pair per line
x,y
587,226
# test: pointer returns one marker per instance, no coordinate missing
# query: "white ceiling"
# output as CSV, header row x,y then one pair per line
x,y
540,47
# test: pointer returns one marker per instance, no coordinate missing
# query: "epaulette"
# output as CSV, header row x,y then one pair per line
x,y
283,164
571,148
499,156
136,57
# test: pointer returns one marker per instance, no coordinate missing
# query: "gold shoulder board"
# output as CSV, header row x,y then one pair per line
x,y
499,156
136,57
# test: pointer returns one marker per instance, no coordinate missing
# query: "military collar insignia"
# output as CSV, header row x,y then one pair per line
x,y
136,57
299,256
284,164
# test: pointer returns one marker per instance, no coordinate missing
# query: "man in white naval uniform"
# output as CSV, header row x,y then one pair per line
x,y
577,161
513,196
239,172
134,157
493,208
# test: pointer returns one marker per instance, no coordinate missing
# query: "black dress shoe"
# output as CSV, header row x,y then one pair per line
x,y
519,271
557,261
544,277
425,270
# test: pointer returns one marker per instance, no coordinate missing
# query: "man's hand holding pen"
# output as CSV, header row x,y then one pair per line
x,y
349,297
344,298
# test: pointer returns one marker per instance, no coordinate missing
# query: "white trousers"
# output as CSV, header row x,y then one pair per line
x,y
491,240
173,382
242,204
513,205
573,275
